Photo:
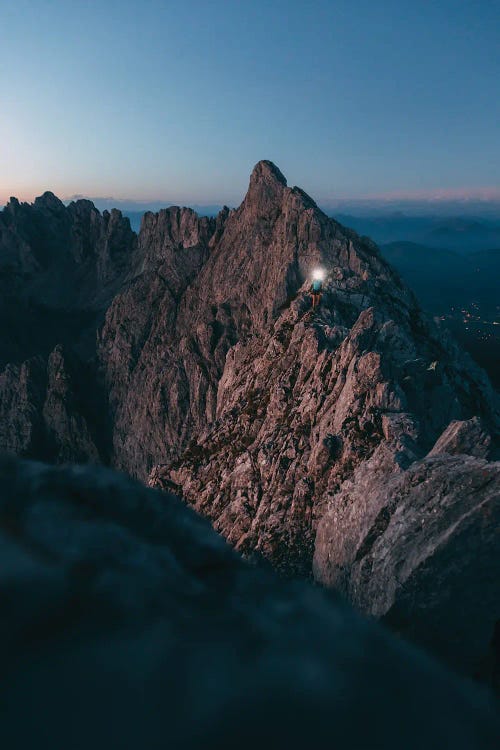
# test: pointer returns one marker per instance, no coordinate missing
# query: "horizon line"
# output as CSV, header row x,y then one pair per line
x,y
486,195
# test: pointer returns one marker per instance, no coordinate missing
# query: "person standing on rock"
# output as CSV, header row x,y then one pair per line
x,y
316,288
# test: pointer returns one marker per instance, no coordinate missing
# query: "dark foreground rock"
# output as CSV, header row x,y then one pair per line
x,y
128,623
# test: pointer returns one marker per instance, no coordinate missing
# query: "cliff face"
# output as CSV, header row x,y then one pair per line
x,y
45,242
143,356
47,410
308,438
127,622
168,335
60,267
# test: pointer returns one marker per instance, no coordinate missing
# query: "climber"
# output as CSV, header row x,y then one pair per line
x,y
317,287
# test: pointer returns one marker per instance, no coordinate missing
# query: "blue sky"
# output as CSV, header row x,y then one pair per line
x,y
178,100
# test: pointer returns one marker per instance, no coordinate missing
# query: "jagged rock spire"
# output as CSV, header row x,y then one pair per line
x,y
49,201
266,171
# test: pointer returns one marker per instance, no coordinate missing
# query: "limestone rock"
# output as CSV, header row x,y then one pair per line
x,y
48,410
60,267
420,548
468,438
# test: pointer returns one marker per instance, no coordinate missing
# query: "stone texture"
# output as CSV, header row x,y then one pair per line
x,y
468,438
49,410
127,622
60,267
421,549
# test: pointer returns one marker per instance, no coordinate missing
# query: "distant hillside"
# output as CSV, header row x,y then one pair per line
x,y
462,290
455,233
441,277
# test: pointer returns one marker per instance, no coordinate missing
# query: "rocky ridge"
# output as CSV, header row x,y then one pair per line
x,y
60,267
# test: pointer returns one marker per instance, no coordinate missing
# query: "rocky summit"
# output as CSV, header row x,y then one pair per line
x,y
355,443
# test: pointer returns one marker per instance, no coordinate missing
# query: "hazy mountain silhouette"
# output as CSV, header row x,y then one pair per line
x,y
463,235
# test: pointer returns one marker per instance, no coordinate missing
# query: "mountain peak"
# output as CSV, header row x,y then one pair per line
x,y
266,188
266,172
48,201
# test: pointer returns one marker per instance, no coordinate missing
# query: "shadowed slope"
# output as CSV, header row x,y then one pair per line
x,y
127,622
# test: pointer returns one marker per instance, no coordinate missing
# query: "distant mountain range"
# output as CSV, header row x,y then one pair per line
x,y
482,205
463,235
443,278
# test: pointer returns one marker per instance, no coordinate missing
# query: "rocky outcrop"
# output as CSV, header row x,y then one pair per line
x,y
45,240
60,267
22,395
420,548
127,622
143,357
464,438
49,410
322,420
255,259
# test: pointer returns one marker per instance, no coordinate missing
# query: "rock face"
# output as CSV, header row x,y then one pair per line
x,y
46,411
60,267
464,438
420,549
150,368
321,421
308,438
168,335
127,622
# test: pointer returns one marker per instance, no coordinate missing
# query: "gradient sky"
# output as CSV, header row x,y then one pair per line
x,y
178,100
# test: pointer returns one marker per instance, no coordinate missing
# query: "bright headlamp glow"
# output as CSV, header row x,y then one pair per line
x,y
318,274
